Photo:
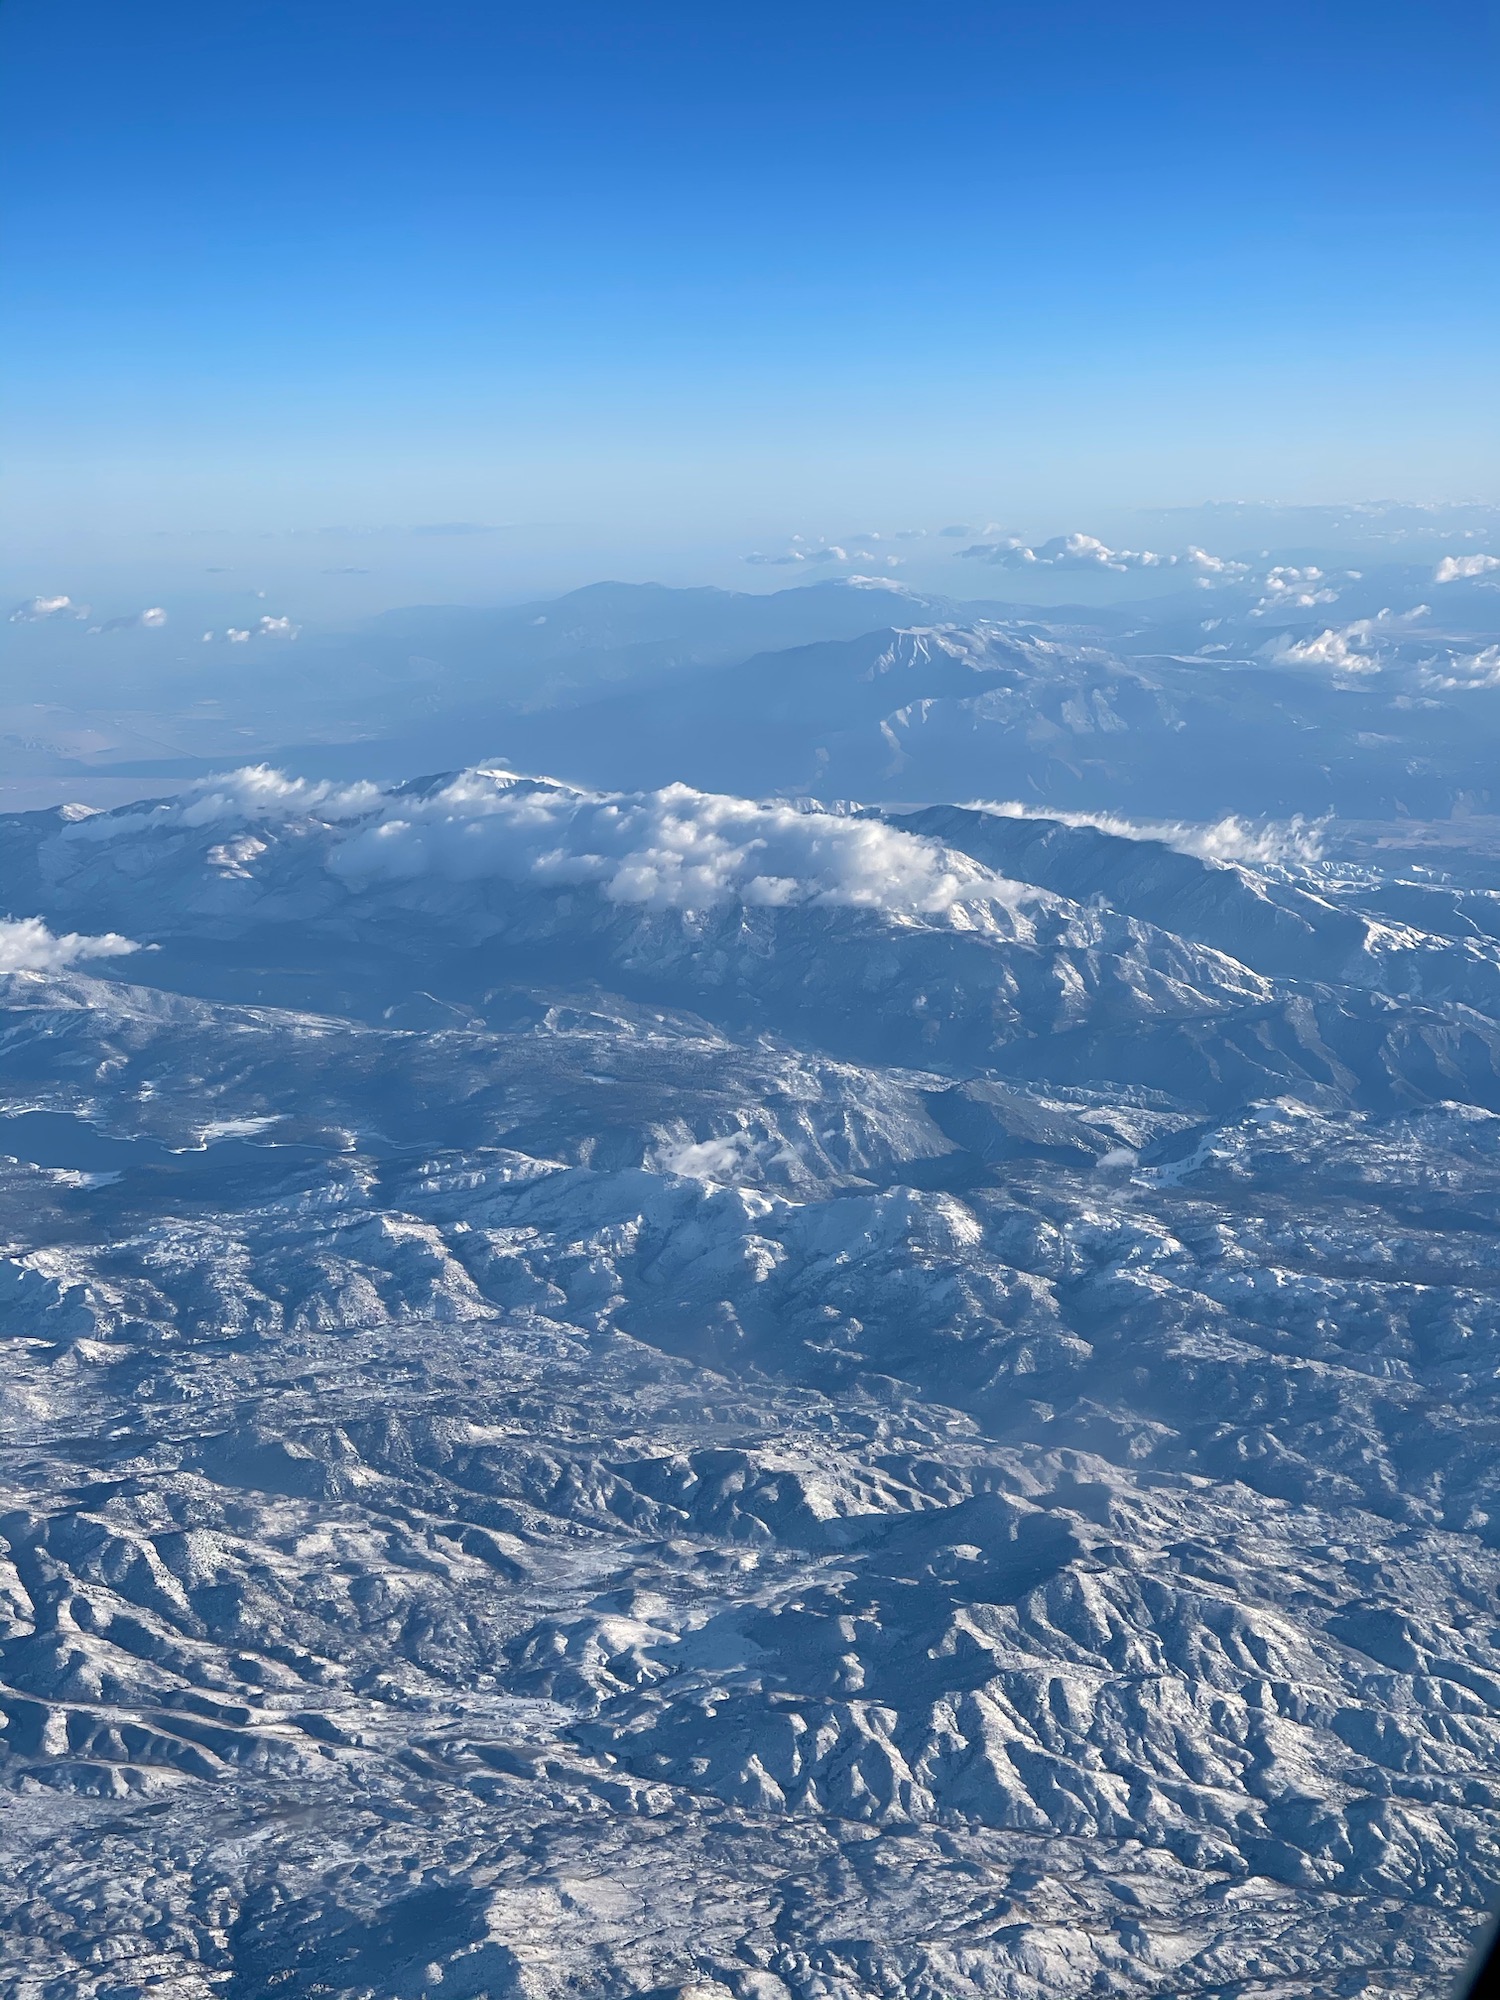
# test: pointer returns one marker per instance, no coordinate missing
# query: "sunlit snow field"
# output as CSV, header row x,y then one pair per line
x,y
847,1348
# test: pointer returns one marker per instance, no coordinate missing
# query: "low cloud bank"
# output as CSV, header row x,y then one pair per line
x,y
676,848
672,849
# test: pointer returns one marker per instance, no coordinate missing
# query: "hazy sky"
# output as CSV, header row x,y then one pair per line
x,y
665,275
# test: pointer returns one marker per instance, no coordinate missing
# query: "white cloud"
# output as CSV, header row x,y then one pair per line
x,y
1232,839
1464,670
672,849
277,628
38,608
257,793
1336,651
1340,650
800,551
237,635
1087,552
1290,589
26,945
252,796
150,620
1455,569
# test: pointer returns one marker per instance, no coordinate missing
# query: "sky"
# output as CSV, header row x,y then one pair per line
x,y
456,290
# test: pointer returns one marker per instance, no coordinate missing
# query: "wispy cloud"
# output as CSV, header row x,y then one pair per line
x,y
150,620
1251,843
799,552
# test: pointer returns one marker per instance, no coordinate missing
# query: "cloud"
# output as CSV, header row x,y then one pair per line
x,y
674,849
1339,650
1087,552
1456,569
1252,843
150,620
264,627
1329,649
37,608
26,945
1464,670
256,792
799,551
253,795
1210,568
1293,590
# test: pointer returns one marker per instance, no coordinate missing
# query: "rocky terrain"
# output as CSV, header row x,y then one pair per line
x,y
646,1393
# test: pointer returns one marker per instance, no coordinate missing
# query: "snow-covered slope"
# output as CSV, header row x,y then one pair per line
x,y
1375,717
655,1394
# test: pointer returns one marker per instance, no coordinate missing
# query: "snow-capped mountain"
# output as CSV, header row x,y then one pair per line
x,y
659,1393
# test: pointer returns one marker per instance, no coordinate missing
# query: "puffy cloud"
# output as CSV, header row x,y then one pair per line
x,y
26,945
1215,569
259,793
672,849
1332,650
37,608
1464,670
254,795
1289,589
263,628
1339,650
1252,843
1457,569
1087,552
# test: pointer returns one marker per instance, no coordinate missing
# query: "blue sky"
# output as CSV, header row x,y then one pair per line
x,y
662,274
